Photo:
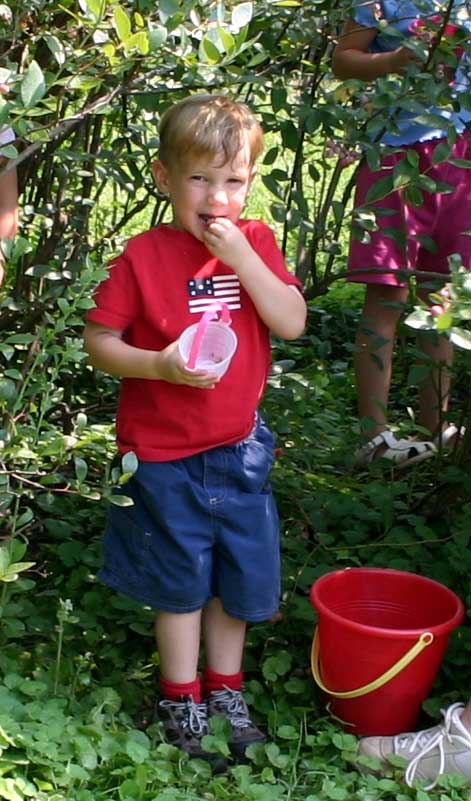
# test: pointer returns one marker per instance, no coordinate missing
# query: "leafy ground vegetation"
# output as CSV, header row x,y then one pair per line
x,y
77,662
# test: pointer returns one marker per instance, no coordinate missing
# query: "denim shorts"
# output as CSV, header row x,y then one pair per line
x,y
200,527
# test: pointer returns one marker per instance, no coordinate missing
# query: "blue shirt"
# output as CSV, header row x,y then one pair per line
x,y
400,16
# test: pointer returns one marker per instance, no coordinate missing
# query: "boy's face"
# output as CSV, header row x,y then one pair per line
x,y
202,189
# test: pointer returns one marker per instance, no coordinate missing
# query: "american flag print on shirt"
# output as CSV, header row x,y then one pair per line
x,y
202,292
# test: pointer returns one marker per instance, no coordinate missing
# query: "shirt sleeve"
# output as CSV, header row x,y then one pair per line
x,y
263,241
365,13
118,299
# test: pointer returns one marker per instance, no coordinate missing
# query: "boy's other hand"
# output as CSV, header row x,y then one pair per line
x,y
227,242
172,368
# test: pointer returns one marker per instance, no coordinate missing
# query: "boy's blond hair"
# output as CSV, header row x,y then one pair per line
x,y
204,126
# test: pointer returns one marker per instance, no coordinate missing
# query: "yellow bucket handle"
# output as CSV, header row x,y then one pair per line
x,y
424,640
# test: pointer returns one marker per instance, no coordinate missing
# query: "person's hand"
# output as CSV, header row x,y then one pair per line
x,y
401,58
171,368
227,242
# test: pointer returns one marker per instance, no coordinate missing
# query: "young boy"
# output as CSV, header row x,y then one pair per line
x,y
200,545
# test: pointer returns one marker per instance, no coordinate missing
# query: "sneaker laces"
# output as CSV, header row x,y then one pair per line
x,y
429,740
235,706
194,716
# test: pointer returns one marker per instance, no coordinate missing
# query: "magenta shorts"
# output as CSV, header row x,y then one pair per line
x,y
444,218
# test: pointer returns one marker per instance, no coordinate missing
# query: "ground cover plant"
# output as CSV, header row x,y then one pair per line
x,y
77,662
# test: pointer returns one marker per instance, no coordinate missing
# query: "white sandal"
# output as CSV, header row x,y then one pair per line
x,y
444,439
401,452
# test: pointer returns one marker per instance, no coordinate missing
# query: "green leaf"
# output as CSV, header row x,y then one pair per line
x,y
227,40
9,151
56,47
413,196
404,173
277,665
138,41
32,688
278,98
109,50
96,8
157,37
17,549
168,8
33,85
137,746
24,518
122,24
8,791
427,242
396,234
335,793
208,51
12,571
380,189
441,153
107,698
413,157
7,390
4,560
338,209
417,374
289,135
241,15
129,462
463,163
444,321
121,500
129,790
460,338
81,469
420,319
287,732
86,754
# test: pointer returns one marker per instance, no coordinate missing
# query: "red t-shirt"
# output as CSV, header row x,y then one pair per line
x,y
161,284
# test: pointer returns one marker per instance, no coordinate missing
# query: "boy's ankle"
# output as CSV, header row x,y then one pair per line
x,y
213,681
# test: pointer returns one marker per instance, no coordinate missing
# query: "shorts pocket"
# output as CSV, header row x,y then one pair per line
x,y
256,456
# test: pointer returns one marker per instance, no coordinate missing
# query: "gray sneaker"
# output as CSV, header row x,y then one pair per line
x,y
445,748
185,724
231,705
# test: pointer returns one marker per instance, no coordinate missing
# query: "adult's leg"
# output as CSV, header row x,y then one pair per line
x,y
434,390
8,212
374,354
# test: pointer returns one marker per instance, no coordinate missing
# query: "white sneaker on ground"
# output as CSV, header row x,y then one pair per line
x,y
401,452
445,748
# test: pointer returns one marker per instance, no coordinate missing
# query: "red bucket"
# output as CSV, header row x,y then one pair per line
x,y
379,642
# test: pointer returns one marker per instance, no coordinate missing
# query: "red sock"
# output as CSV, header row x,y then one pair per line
x,y
173,691
219,681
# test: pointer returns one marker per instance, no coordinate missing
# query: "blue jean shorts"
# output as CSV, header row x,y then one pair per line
x,y
201,527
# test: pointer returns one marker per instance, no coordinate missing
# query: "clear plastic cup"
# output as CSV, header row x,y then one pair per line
x,y
209,345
